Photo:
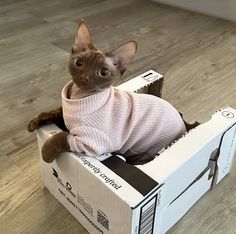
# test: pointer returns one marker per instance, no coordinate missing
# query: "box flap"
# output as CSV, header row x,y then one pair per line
x,y
141,81
181,163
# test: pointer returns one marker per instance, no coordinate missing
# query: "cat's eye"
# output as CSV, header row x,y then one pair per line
x,y
103,72
79,62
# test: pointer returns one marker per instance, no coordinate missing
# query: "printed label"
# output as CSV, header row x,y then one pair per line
x,y
102,219
147,217
97,170
147,214
66,185
150,76
72,201
85,205
228,114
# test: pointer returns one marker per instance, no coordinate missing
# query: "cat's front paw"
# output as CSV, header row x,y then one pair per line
x,y
33,125
48,151
54,146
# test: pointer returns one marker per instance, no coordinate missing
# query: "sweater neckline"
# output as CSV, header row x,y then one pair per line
x,y
84,105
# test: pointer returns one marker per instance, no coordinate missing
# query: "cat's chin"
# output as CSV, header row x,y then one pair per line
x,y
91,92
99,90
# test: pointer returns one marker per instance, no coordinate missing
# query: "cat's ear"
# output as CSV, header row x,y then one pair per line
x,y
123,55
83,40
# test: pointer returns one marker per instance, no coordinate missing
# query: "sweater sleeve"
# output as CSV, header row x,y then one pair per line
x,y
90,141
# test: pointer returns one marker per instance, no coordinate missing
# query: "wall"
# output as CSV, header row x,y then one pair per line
x,y
225,9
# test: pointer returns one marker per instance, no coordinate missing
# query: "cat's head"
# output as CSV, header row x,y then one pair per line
x,y
94,70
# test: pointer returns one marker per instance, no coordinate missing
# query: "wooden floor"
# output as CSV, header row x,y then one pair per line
x,y
196,54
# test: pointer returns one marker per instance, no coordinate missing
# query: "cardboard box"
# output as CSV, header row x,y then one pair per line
x,y
111,196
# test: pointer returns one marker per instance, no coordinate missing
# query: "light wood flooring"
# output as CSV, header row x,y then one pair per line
x,y
195,53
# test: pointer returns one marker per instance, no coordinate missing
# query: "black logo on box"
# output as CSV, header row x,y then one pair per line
x,y
54,172
65,185
102,219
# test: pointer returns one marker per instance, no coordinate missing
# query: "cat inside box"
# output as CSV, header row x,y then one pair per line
x,y
102,119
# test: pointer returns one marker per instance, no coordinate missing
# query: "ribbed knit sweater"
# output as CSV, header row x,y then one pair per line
x,y
134,125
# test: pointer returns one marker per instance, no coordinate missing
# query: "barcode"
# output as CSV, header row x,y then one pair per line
x,y
102,219
147,217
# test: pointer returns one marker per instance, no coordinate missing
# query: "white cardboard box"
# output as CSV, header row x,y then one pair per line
x,y
111,196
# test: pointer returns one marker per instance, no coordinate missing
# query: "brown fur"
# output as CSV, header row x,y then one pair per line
x,y
86,76
45,118
93,60
54,146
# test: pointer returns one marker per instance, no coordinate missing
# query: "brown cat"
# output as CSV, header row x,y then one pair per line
x,y
100,70
92,72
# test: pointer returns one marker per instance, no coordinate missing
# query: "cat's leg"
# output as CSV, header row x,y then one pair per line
x,y
45,118
54,146
188,125
191,126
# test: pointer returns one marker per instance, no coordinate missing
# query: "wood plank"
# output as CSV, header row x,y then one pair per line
x,y
27,159
10,25
26,208
19,104
15,186
208,80
16,141
91,8
27,61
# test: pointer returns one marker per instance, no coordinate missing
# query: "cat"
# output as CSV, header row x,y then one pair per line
x,y
82,45
107,121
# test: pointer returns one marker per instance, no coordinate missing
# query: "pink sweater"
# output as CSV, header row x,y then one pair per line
x,y
134,125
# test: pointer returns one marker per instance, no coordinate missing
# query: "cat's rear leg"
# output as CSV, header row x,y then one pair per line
x,y
188,125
